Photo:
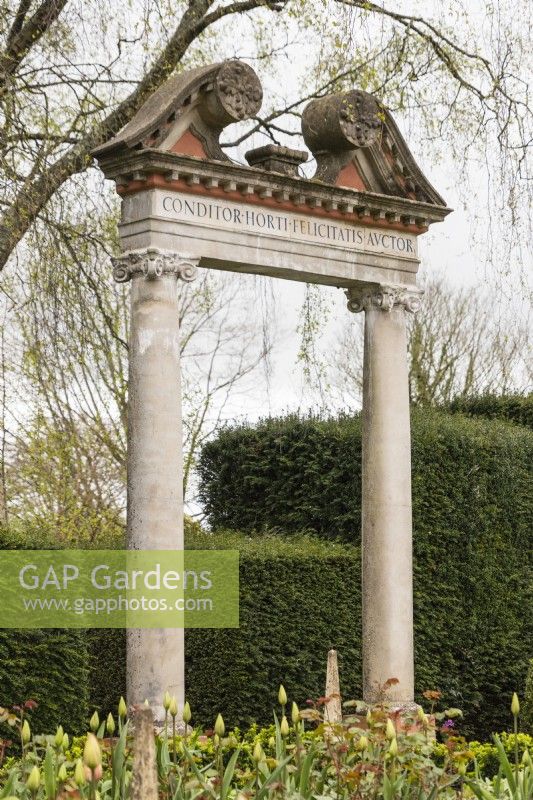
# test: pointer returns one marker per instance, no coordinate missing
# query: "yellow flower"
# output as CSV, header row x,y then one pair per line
x,y
284,726
393,747
62,773
295,713
25,732
34,779
258,754
187,714
92,755
173,707
65,742
94,723
122,708
362,744
219,726
166,701
390,730
282,696
515,705
59,736
110,724
79,773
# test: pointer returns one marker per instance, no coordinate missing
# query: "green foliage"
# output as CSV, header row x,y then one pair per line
x,y
370,755
290,616
48,666
472,508
514,408
527,705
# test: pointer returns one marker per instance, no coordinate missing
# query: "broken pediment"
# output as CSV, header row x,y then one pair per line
x,y
357,145
188,113
365,170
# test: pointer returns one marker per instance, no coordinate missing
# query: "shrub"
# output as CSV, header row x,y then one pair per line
x,y
514,408
48,666
472,508
527,705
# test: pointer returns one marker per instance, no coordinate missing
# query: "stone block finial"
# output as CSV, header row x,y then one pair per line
x,y
188,113
358,145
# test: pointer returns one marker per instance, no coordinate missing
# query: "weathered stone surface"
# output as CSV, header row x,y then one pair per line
x,y
357,143
155,457
202,100
387,568
333,704
144,777
354,225
273,158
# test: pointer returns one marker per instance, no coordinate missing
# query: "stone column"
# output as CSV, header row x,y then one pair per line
x,y
155,657
387,563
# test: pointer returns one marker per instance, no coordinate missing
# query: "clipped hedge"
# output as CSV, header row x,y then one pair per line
x,y
49,666
472,544
290,616
527,705
514,408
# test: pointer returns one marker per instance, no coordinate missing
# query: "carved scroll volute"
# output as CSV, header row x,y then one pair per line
x,y
236,94
336,126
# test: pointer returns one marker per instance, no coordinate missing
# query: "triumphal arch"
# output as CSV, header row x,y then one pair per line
x,y
354,225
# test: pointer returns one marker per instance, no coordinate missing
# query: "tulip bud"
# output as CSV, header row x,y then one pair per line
x,y
282,696
420,713
79,773
461,768
219,726
173,707
515,705
122,708
393,747
34,779
59,736
62,773
94,723
146,703
110,724
166,701
368,717
187,714
526,759
25,733
216,740
390,730
272,743
295,713
92,755
362,744
284,726
65,742
258,754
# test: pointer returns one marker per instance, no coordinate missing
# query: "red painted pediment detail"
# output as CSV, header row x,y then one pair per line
x,y
350,178
189,145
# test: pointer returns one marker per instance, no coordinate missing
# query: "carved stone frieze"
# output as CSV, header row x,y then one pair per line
x,y
153,263
384,298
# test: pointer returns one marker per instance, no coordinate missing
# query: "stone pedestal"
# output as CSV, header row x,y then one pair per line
x,y
155,657
387,572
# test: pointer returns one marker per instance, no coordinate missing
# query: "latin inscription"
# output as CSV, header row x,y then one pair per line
x,y
236,216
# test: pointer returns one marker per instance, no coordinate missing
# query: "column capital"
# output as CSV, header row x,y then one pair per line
x,y
385,298
153,263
